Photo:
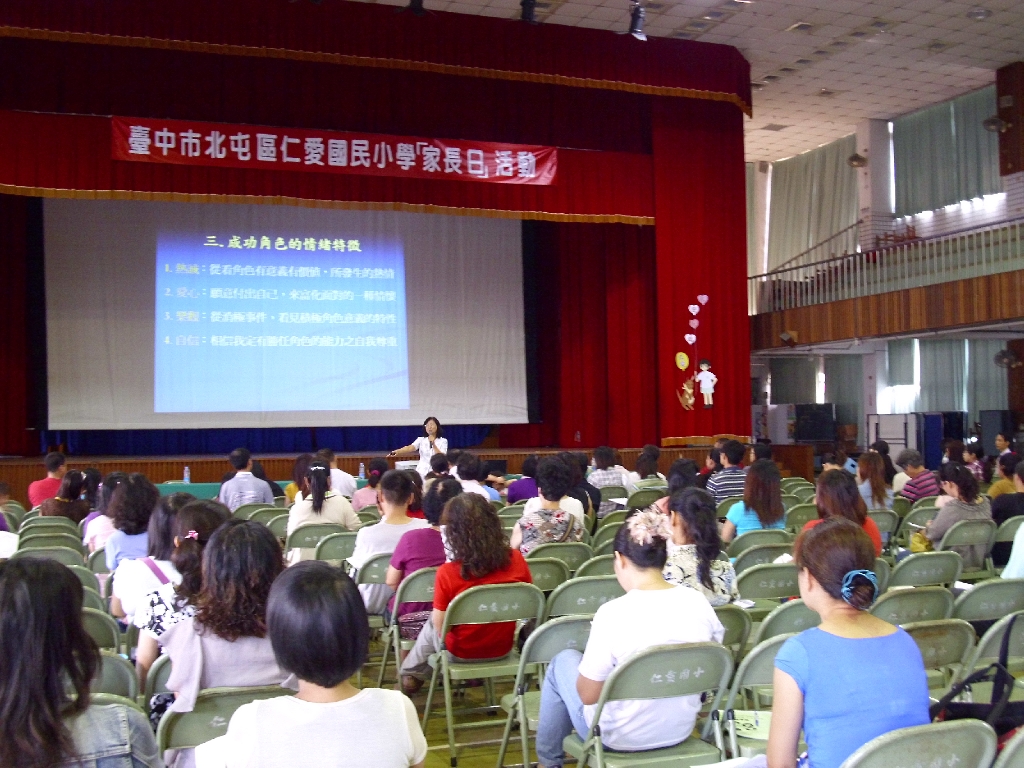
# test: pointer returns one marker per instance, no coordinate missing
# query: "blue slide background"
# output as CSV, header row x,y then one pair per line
x,y
233,335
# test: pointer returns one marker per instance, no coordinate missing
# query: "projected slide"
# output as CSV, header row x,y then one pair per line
x,y
279,321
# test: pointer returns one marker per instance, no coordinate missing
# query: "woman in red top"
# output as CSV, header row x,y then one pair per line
x,y
838,496
480,555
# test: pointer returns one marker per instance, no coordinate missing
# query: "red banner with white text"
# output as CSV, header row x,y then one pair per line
x,y
224,145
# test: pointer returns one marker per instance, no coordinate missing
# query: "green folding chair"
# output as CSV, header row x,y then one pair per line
x,y
572,553
761,554
758,538
1012,755
964,743
280,502
209,717
105,699
945,646
309,535
486,604
50,524
523,705
789,618
790,500
643,498
800,515
115,676
547,572
990,600
156,680
336,548
805,493
612,520
98,561
65,555
265,515
1007,531
582,596
924,501
16,506
497,505
968,533
12,518
926,569
87,577
915,520
901,505
652,482
599,565
726,504
882,572
605,533
663,671
368,518
102,628
609,492
47,540
903,606
606,547
417,587
279,527
789,483
737,625
243,512
767,585
92,599
513,509
987,650
888,523
756,671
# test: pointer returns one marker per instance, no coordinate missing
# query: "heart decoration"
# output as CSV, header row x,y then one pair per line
x,y
694,323
690,339
703,299
694,309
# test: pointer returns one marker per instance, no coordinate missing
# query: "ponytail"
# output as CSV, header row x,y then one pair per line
x,y
696,508
193,525
376,471
319,477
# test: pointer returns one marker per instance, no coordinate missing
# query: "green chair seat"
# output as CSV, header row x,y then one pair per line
x,y
416,587
693,751
572,553
245,510
582,596
64,555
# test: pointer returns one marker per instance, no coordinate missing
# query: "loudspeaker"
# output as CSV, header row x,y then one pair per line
x,y
994,423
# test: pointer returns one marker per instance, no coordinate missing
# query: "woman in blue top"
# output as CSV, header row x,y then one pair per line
x,y
131,507
762,502
852,678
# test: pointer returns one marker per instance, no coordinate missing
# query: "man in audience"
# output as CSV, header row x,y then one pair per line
x,y
730,481
341,482
41,490
244,487
922,482
605,474
1003,444
469,471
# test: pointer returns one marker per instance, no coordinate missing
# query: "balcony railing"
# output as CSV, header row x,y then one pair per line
x,y
973,253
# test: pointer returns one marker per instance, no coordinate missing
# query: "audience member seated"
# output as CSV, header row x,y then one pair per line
x,y
367,495
91,489
487,481
1003,443
921,483
646,467
469,474
41,490
852,678
652,612
694,551
1003,508
871,481
68,502
47,662
453,457
833,460
99,525
174,601
544,521
342,482
416,503
136,578
605,473
244,487
225,642
1005,466
581,489
953,451
837,495
394,496
299,468
958,482
260,473
439,467
420,548
758,451
525,487
762,502
320,505
480,556
973,459
882,449
731,479
568,502
131,506
713,463
319,631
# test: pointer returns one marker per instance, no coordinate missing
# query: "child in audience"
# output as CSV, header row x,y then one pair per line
x,y
225,643
173,602
319,632
131,506
320,505
481,556
136,578
367,495
852,678
837,495
47,662
101,525
695,548
394,495
652,612
525,487
68,502
871,481
761,507
545,522
973,455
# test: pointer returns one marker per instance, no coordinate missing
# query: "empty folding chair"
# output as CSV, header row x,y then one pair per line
x,y
789,618
962,743
926,569
902,606
547,572
582,596
945,645
756,670
761,554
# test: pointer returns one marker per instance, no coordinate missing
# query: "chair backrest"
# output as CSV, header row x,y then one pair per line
x,y
374,570
550,638
942,642
494,603
49,524
969,533
918,516
612,520
788,483
98,561
368,518
599,565
761,554
513,509
497,505
805,493
790,500
279,526
643,498
1012,755
757,667
609,492
926,569
37,540
902,606
790,617
1008,529
102,628
606,547
737,623
886,520
757,538
245,510
799,516
280,501
882,571
310,534
105,699
87,577
209,717
772,581
64,555
12,519
91,599
336,546
726,504
417,587
572,553
924,501
582,596
604,534
547,572
116,676
159,674
14,505
652,482
265,515
963,743
987,649
990,600
901,505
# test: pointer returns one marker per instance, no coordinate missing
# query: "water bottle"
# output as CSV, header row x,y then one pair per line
x,y
188,475
362,471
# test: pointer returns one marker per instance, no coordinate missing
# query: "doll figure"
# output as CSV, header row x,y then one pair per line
x,y
707,381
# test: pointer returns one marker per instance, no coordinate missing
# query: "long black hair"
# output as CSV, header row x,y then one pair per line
x,y
696,508
440,429
93,481
319,477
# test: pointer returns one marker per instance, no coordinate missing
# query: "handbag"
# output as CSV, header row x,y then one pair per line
x,y
1001,713
920,543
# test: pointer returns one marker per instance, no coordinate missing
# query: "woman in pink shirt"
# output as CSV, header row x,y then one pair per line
x,y
367,495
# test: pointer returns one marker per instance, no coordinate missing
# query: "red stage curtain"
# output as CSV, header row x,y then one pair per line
x,y
700,208
377,36
14,360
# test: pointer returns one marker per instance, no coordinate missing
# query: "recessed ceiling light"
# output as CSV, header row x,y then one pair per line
x,y
786,70
979,14
803,62
734,5
697,25
859,34
825,93
882,24
800,26
774,127
683,35
937,46
839,44
654,6
757,86
770,78
714,15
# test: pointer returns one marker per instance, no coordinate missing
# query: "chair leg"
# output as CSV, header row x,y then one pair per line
x,y
430,696
524,732
384,660
448,709
503,747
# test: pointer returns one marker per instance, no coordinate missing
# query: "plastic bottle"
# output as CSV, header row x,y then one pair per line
x,y
362,471
188,475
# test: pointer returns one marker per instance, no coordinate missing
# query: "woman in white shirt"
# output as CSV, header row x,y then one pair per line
x,y
321,505
433,442
319,632
652,612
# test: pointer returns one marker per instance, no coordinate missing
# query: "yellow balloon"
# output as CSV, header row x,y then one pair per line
x,y
682,361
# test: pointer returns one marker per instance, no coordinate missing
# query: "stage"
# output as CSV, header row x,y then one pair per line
x,y
795,460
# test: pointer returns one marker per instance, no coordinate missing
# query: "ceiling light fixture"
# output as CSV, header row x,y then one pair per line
x,y
996,124
636,21
529,14
978,14
857,160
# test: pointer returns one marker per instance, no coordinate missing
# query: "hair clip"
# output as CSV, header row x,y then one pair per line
x,y
192,535
317,468
847,589
644,527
